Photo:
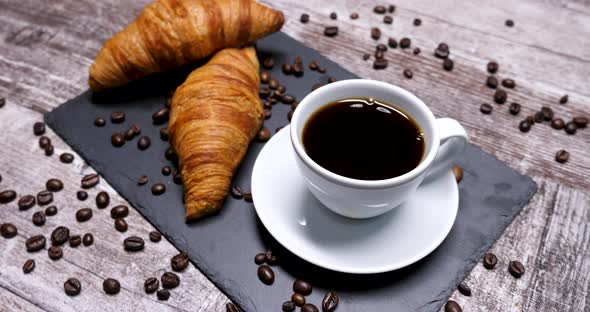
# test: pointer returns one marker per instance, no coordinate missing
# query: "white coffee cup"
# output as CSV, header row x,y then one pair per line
x,y
445,140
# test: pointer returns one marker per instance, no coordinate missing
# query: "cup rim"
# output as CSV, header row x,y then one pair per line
x,y
357,183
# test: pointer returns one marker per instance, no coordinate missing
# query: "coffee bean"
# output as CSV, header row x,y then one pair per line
x,y
26,202
66,158
538,117
263,93
151,285
170,280
580,121
38,218
562,156
111,286
163,294
302,287
298,68
354,15
268,62
100,122
82,195
177,178
51,211
90,180
333,15
48,150
129,134
84,214
158,189
381,47
442,50
155,236
72,287
266,274
408,73
121,225
133,243
571,128
452,306
330,31
375,33
230,307
464,289
143,143
563,99
35,243
29,266
458,172
514,108
117,117
392,43
102,200
304,18
142,180
547,113
288,99
248,197
417,51
387,19
161,116
516,269
492,67
55,252
380,63
298,299
44,142
38,128
260,258
391,8
405,43
448,64
179,262
379,55
54,185
117,139
7,196
264,77
492,82
508,83
88,239
308,307
330,302
263,135
509,23
8,230
486,108
60,235
44,198
489,261
170,154
379,9
524,126
500,96
75,241
288,306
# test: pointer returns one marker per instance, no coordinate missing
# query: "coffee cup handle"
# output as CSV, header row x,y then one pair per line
x,y
453,139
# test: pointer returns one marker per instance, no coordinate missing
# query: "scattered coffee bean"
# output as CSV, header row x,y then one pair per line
x,y
44,142
525,126
563,99
417,51
442,50
121,225
452,306
508,83
155,236
177,178
448,64
129,134
133,243
82,195
100,122
417,22
88,239
163,294
391,8
547,113
304,18
8,230
287,69
333,15
287,99
408,73
161,116
117,117
66,158
179,262
170,280
60,235
237,192
263,135
39,128
260,258
302,287
273,84
297,299
308,307
142,180
387,19
330,302
516,269
48,150
72,287
55,252
38,218
405,43
514,108
557,124
492,67
266,274
379,9
380,63
268,62
111,286
29,266
44,198
486,108
330,31
102,200
500,96
51,211
117,139
492,82
379,55
26,202
143,143
458,172
84,214
7,196
248,197
392,43
54,185
509,23
464,289
354,15
538,117
562,156
35,243
375,33
571,128
166,170
489,261
230,307
288,306
170,154
158,189
151,285
263,93
75,241
298,68
580,121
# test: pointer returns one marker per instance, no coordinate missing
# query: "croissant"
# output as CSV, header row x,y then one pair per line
x,y
171,33
215,114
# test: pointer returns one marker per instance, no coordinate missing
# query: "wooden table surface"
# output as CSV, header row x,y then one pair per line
x,y
47,46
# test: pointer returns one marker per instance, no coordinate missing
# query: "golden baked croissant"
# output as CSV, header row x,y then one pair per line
x,y
171,33
215,114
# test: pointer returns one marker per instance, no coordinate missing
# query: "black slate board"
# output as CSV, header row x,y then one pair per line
x,y
223,247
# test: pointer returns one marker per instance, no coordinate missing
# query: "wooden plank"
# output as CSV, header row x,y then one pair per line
x,y
21,171
13,302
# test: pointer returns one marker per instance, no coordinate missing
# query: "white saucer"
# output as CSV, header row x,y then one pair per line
x,y
311,231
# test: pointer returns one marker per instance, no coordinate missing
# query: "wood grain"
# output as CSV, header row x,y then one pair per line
x,y
46,48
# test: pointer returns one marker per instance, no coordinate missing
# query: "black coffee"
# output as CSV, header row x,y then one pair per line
x,y
364,139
